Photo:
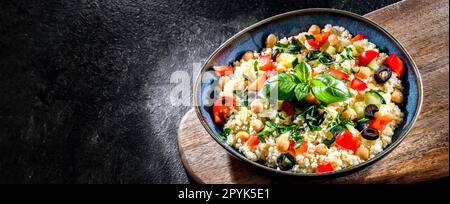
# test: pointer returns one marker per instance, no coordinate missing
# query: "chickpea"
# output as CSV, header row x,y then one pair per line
x,y
310,98
360,96
335,104
243,135
397,96
362,152
321,149
268,52
247,56
256,125
364,72
223,80
271,40
281,68
314,29
371,85
333,39
318,69
256,106
282,143
302,38
350,113
284,41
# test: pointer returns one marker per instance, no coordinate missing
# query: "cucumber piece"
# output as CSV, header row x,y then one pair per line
x,y
330,50
373,97
359,108
287,59
314,63
294,62
373,65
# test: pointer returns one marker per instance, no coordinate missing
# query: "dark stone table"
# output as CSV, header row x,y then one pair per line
x,y
85,85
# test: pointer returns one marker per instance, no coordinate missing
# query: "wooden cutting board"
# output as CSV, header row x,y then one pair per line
x,y
423,28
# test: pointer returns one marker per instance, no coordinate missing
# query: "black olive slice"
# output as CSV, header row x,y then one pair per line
x,y
383,74
370,134
370,111
321,118
361,126
285,162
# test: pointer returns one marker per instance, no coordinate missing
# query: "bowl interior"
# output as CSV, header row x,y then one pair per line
x,y
292,23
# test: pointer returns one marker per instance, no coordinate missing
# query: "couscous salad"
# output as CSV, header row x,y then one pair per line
x,y
320,101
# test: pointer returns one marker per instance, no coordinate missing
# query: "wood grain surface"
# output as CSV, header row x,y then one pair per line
x,y
423,28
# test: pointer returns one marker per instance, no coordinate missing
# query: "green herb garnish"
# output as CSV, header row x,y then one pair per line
x,y
310,37
328,89
223,136
278,44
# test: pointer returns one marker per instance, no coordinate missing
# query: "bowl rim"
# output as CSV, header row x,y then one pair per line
x,y
292,13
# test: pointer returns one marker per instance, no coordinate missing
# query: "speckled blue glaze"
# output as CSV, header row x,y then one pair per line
x,y
293,23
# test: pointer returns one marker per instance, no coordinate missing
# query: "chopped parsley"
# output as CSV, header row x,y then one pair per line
x,y
223,136
310,37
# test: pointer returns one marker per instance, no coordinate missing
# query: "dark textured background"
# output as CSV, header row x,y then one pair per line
x,y
84,84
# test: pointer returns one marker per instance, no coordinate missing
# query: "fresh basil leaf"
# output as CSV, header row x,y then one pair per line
x,y
286,85
303,71
301,90
328,89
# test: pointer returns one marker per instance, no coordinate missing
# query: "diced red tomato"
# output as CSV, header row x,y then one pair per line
x,y
319,40
325,167
358,38
302,149
217,118
286,107
380,122
396,64
338,74
367,56
223,70
265,63
291,149
258,83
346,140
357,84
221,107
253,140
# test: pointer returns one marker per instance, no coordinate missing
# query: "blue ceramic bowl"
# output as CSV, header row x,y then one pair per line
x,y
292,23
